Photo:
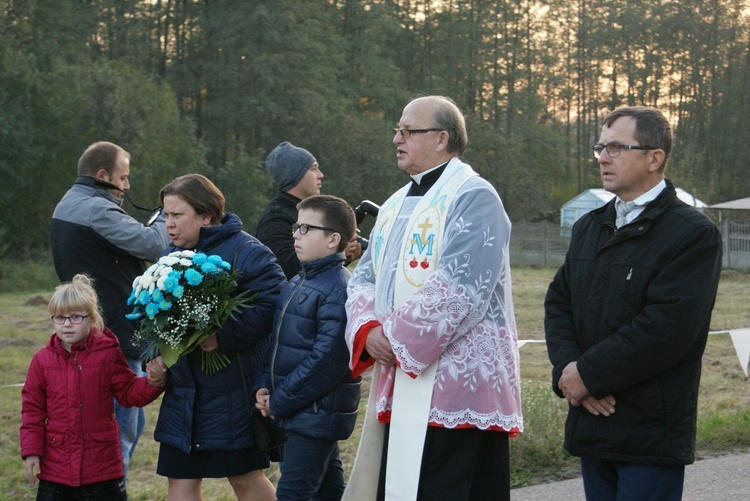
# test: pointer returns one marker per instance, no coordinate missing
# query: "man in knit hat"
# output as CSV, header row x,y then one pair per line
x,y
298,176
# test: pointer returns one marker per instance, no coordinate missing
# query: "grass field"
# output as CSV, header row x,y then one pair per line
x,y
537,455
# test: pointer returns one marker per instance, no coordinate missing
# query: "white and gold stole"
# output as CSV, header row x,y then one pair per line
x,y
410,409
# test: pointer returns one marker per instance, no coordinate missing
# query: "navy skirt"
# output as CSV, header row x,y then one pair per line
x,y
173,463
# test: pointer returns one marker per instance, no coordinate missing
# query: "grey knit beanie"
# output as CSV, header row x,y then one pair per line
x,y
288,164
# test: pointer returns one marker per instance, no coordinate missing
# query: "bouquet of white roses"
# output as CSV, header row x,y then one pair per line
x,y
180,300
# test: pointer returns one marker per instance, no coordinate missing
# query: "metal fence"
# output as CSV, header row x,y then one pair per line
x,y
541,244
537,244
736,237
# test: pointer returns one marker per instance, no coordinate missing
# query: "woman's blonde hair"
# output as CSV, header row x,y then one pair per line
x,y
77,295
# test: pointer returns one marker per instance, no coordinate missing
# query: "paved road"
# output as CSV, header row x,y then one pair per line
x,y
723,478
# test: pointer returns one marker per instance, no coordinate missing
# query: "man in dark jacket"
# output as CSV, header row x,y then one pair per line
x,y
627,318
92,234
298,176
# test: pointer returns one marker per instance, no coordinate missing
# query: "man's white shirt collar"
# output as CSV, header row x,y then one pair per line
x,y
651,194
641,201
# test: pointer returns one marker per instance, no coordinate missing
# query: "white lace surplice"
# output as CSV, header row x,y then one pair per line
x,y
462,316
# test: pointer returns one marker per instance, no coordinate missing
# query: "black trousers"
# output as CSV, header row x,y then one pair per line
x,y
459,464
109,490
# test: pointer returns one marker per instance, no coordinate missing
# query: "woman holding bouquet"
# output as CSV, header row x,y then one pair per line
x,y
203,426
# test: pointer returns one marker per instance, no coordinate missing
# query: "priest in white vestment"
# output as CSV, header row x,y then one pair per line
x,y
430,309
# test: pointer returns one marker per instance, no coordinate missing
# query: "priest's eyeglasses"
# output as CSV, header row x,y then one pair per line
x,y
614,149
304,228
74,319
407,133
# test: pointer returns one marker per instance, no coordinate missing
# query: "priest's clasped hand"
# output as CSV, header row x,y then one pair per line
x,y
379,348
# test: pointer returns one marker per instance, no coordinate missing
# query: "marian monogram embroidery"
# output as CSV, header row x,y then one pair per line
x,y
421,250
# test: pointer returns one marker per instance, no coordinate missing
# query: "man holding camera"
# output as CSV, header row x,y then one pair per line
x,y
298,176
92,234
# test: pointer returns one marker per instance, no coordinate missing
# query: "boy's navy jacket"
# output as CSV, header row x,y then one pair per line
x,y
312,389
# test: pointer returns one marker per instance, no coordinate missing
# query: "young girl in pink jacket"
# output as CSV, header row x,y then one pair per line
x,y
69,435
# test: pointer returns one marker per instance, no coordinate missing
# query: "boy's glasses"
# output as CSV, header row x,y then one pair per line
x,y
74,319
304,228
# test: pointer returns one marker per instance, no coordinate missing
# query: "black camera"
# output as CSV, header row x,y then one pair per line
x,y
364,208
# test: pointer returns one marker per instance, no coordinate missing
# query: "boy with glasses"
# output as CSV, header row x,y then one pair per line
x,y
307,386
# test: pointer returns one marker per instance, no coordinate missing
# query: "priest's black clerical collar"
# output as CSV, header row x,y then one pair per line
x,y
420,187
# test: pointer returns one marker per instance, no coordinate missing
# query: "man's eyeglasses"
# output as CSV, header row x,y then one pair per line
x,y
304,228
74,319
614,149
407,133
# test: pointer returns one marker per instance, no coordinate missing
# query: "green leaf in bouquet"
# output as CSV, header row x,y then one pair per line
x,y
214,361
231,306
187,345
151,351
